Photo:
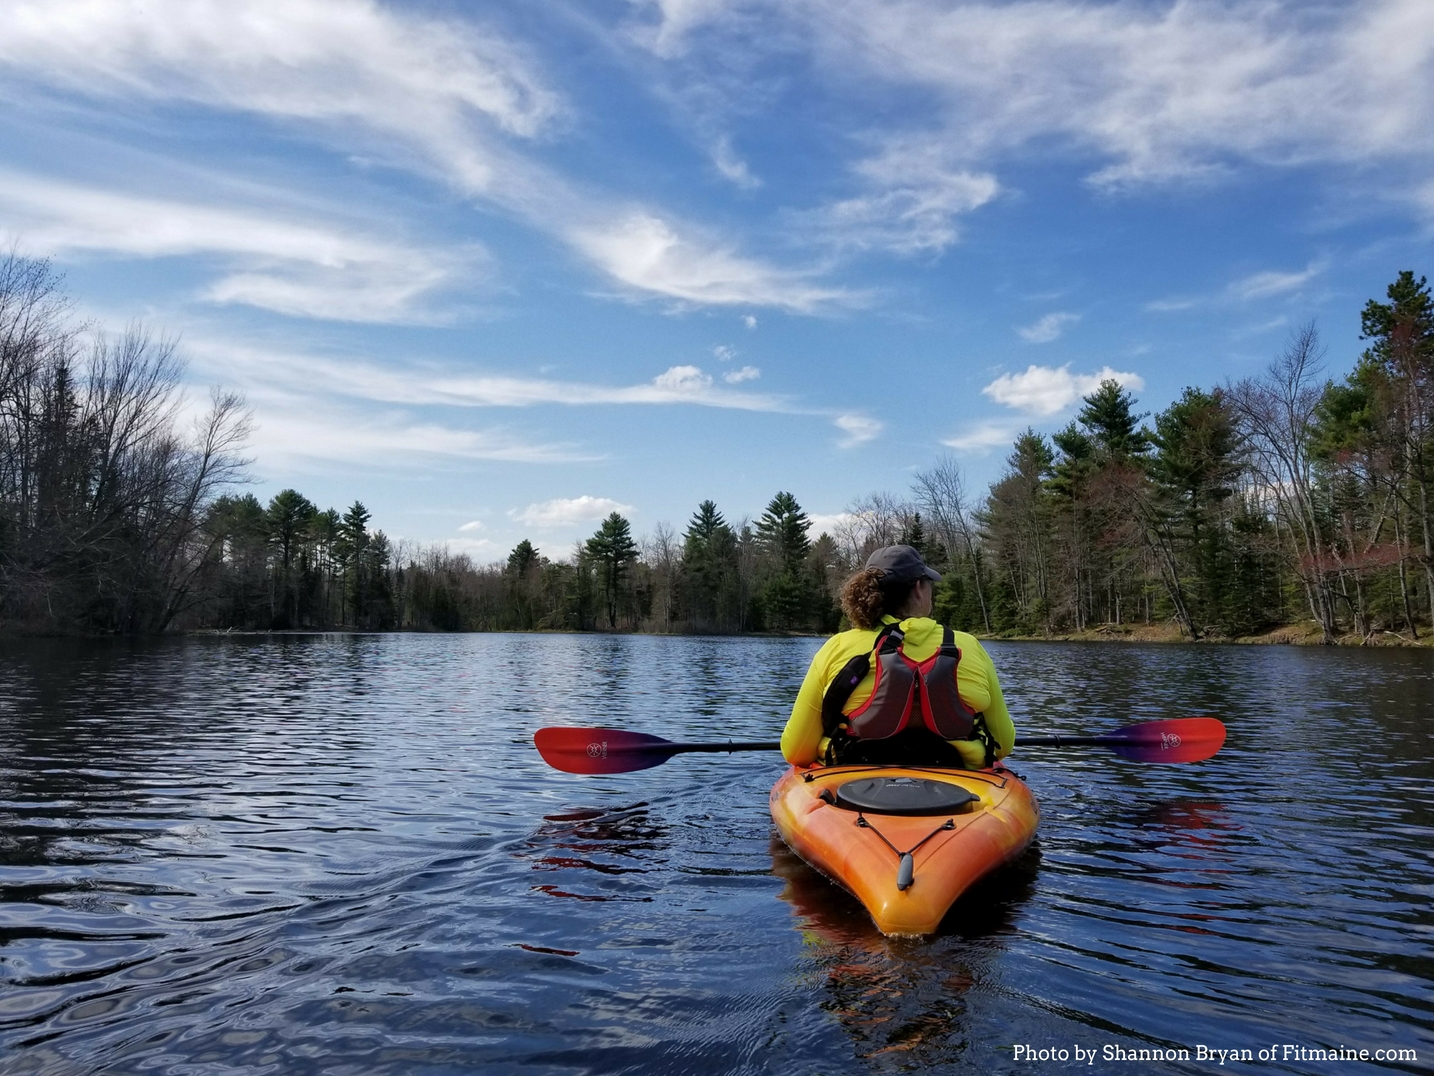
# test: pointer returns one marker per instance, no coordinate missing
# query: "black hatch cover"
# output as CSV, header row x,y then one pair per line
x,y
903,795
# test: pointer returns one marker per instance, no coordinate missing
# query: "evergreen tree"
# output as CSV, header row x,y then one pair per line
x,y
351,548
612,551
709,569
1401,335
789,596
782,530
914,535
288,518
523,566
1110,419
1195,468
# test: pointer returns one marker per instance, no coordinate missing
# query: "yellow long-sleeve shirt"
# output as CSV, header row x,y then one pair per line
x,y
975,680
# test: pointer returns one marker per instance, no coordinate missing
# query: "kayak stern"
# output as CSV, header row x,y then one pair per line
x,y
906,869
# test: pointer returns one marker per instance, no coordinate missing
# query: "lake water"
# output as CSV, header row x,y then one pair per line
x,y
341,854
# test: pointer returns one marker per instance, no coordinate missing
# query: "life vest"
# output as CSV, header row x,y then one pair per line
x,y
903,688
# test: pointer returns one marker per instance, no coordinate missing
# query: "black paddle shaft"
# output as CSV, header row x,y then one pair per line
x,y
1066,741
707,748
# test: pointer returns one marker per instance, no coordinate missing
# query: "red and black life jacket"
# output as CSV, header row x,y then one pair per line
x,y
903,688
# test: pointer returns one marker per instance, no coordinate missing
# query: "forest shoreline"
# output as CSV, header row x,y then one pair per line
x,y
1305,633
1302,633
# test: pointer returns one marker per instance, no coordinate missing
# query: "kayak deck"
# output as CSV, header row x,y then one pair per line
x,y
906,869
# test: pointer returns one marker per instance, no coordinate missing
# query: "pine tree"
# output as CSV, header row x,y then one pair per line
x,y
782,531
612,550
1109,417
709,568
288,518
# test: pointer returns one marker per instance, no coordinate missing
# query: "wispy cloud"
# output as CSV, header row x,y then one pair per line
x,y
289,266
1272,282
296,435
1159,93
1167,306
472,525
568,511
650,255
1262,285
859,429
983,437
1048,390
732,166
446,99
417,79
746,373
1048,328
912,199
416,384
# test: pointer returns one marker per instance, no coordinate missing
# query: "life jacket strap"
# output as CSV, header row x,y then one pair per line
x,y
852,673
943,711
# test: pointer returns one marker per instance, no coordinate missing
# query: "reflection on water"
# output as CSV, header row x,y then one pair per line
x,y
341,854
901,1001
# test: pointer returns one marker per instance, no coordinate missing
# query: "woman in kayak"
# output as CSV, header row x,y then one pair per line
x,y
898,687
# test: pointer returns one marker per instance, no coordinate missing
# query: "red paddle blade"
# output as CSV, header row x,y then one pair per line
x,y
578,750
1180,739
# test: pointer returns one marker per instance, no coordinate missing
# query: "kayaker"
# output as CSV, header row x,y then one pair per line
x,y
898,687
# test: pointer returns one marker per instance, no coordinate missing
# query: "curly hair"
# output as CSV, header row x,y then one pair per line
x,y
865,600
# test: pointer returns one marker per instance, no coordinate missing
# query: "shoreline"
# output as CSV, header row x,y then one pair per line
x,y
1302,633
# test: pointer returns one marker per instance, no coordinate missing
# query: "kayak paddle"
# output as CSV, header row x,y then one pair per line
x,y
599,750
1178,739
578,750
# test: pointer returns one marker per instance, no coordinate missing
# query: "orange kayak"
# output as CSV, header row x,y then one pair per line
x,y
906,842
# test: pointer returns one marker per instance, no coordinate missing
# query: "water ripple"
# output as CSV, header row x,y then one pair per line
x,y
341,854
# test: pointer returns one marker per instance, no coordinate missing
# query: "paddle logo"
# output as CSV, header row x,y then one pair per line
x,y
597,750
1167,741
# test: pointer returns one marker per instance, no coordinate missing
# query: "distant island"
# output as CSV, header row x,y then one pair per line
x,y
1283,507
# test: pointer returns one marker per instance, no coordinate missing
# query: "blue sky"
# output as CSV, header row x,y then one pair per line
x,y
497,270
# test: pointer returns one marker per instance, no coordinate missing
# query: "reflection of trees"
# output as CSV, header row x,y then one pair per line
x,y
902,1001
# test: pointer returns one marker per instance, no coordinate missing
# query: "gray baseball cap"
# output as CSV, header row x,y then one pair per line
x,y
902,564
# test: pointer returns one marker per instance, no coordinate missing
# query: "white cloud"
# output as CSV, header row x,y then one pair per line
x,y
295,267
732,166
829,523
649,254
1047,328
1157,92
442,98
294,433
415,79
1165,306
473,525
420,385
568,511
746,373
859,429
982,438
473,547
913,197
1264,285
683,381
723,353
1047,390
751,322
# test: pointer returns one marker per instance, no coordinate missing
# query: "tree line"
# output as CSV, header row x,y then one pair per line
x,y
1280,497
